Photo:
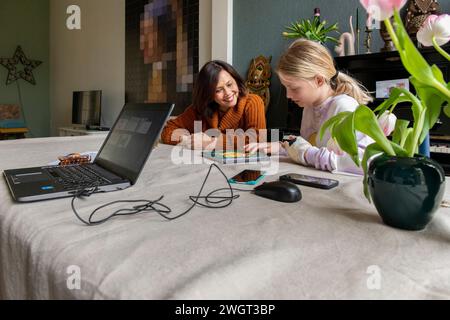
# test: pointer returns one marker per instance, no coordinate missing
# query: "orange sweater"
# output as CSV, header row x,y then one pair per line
x,y
247,114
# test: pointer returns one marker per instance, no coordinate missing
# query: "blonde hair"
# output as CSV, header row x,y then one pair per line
x,y
306,59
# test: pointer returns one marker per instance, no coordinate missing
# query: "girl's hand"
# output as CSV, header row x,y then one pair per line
x,y
297,150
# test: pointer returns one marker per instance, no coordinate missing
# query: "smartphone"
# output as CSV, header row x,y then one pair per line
x,y
310,181
250,177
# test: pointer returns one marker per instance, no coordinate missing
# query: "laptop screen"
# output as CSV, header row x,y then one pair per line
x,y
130,141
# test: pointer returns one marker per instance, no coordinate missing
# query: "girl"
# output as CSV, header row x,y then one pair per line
x,y
220,101
307,71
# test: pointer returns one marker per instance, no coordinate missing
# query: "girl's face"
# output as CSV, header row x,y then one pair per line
x,y
305,93
227,91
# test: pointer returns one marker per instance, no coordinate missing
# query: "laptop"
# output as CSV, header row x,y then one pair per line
x,y
117,165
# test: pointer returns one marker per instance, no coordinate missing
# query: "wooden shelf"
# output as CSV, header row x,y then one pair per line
x,y
71,131
12,133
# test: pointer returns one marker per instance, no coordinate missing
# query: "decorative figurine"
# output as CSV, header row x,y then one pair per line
x,y
388,44
368,40
416,13
346,39
258,78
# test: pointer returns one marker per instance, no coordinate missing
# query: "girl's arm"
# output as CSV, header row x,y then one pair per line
x,y
324,159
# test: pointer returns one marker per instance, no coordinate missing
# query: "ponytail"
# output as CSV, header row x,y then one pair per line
x,y
344,84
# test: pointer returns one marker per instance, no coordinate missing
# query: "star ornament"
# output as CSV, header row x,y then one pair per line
x,y
26,70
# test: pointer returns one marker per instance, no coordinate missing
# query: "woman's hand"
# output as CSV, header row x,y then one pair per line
x,y
266,147
198,141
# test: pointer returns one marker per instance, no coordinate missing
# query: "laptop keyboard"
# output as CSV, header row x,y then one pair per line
x,y
76,177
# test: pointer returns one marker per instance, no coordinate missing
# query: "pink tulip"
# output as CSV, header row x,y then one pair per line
x,y
387,122
382,9
437,27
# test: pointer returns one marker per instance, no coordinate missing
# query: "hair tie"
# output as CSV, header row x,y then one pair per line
x,y
333,80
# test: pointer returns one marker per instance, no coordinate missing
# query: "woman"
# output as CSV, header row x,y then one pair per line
x,y
221,102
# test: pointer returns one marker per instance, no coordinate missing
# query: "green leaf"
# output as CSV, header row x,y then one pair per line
x,y
371,150
332,39
344,133
406,137
320,27
432,100
343,129
314,30
308,24
447,110
416,104
412,60
394,96
290,35
366,122
331,28
438,73
400,130
399,150
330,123
410,143
315,22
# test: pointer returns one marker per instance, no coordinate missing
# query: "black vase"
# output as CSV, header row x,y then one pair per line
x,y
406,191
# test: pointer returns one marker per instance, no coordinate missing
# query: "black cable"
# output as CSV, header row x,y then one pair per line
x,y
210,201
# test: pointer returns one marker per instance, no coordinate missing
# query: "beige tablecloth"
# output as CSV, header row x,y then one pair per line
x,y
330,245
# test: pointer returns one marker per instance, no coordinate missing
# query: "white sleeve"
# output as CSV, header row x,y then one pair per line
x,y
323,159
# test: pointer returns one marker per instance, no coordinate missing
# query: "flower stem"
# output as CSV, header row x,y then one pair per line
x,y
417,131
440,50
419,120
391,32
443,89
439,86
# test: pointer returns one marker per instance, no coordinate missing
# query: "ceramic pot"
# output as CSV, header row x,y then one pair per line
x,y
406,191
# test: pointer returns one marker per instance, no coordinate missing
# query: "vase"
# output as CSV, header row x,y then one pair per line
x,y
406,191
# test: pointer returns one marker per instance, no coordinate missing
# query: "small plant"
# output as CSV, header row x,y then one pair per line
x,y
312,30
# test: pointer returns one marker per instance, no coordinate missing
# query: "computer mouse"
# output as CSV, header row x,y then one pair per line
x,y
283,191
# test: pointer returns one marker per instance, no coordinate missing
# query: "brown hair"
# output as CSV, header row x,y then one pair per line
x,y
206,83
306,59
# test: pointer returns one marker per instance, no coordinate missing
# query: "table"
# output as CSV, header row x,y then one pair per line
x,y
330,245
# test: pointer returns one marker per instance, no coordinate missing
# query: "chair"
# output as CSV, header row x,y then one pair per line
x,y
11,124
